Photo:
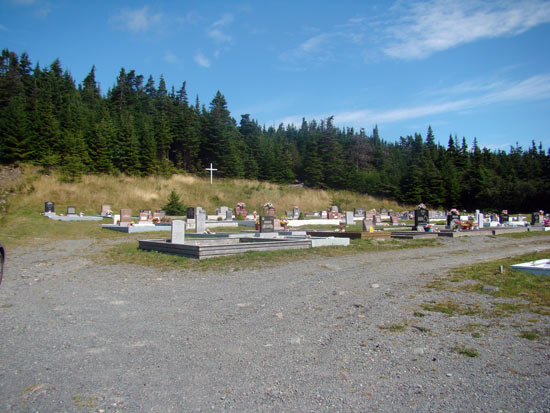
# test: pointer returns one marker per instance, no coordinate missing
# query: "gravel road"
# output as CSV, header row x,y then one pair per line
x,y
323,334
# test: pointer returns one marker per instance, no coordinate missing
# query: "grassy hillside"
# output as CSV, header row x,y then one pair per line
x,y
27,190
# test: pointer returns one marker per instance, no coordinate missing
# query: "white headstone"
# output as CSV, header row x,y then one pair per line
x,y
178,232
116,219
480,220
200,221
349,218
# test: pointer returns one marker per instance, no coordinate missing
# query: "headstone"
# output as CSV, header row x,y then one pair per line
x,y
270,211
289,213
394,220
349,218
105,210
71,210
116,219
200,221
359,212
267,223
160,213
277,224
295,212
384,211
143,217
421,218
190,213
367,225
332,214
504,217
49,207
324,214
480,221
334,208
222,210
535,218
178,232
451,219
125,217
228,215
241,210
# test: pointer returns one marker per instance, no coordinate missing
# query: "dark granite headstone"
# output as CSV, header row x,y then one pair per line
x,y
421,218
504,217
267,223
190,213
49,207
535,218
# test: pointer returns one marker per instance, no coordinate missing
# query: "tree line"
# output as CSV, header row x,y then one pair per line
x,y
140,127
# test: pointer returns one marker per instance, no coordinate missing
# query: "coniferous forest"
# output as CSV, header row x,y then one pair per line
x,y
140,127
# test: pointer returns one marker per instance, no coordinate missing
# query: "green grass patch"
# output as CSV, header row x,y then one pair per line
x,y
526,234
451,308
466,351
394,328
530,335
511,283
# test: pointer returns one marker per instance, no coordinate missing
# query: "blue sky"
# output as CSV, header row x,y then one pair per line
x,y
471,68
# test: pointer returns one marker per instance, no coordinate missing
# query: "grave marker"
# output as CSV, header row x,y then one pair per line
x,y
190,213
71,210
349,218
178,232
105,210
200,221
229,215
421,217
267,223
125,217
49,207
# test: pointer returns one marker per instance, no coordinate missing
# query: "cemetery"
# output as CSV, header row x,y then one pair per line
x,y
267,232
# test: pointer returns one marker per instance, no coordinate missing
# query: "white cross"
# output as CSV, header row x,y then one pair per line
x,y
211,170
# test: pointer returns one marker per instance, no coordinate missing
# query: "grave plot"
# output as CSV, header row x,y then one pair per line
x,y
216,247
201,248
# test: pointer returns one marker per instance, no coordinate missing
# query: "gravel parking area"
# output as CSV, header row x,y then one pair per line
x,y
330,334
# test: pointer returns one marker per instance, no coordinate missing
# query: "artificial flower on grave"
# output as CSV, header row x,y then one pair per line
x,y
284,221
268,205
156,220
241,204
257,221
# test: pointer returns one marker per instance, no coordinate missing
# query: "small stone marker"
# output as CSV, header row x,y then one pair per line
x,y
228,215
349,218
159,213
49,207
125,217
105,210
267,223
71,210
295,212
178,232
200,221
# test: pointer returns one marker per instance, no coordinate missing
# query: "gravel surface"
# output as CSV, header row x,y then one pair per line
x,y
312,335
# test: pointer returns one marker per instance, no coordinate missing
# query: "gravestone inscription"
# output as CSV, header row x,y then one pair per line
x,y
267,223
49,207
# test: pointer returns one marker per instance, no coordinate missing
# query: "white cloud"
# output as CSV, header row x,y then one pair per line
x,y
225,20
219,36
201,60
531,89
436,25
170,57
136,20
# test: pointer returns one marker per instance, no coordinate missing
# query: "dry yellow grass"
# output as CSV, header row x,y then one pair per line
x,y
152,192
